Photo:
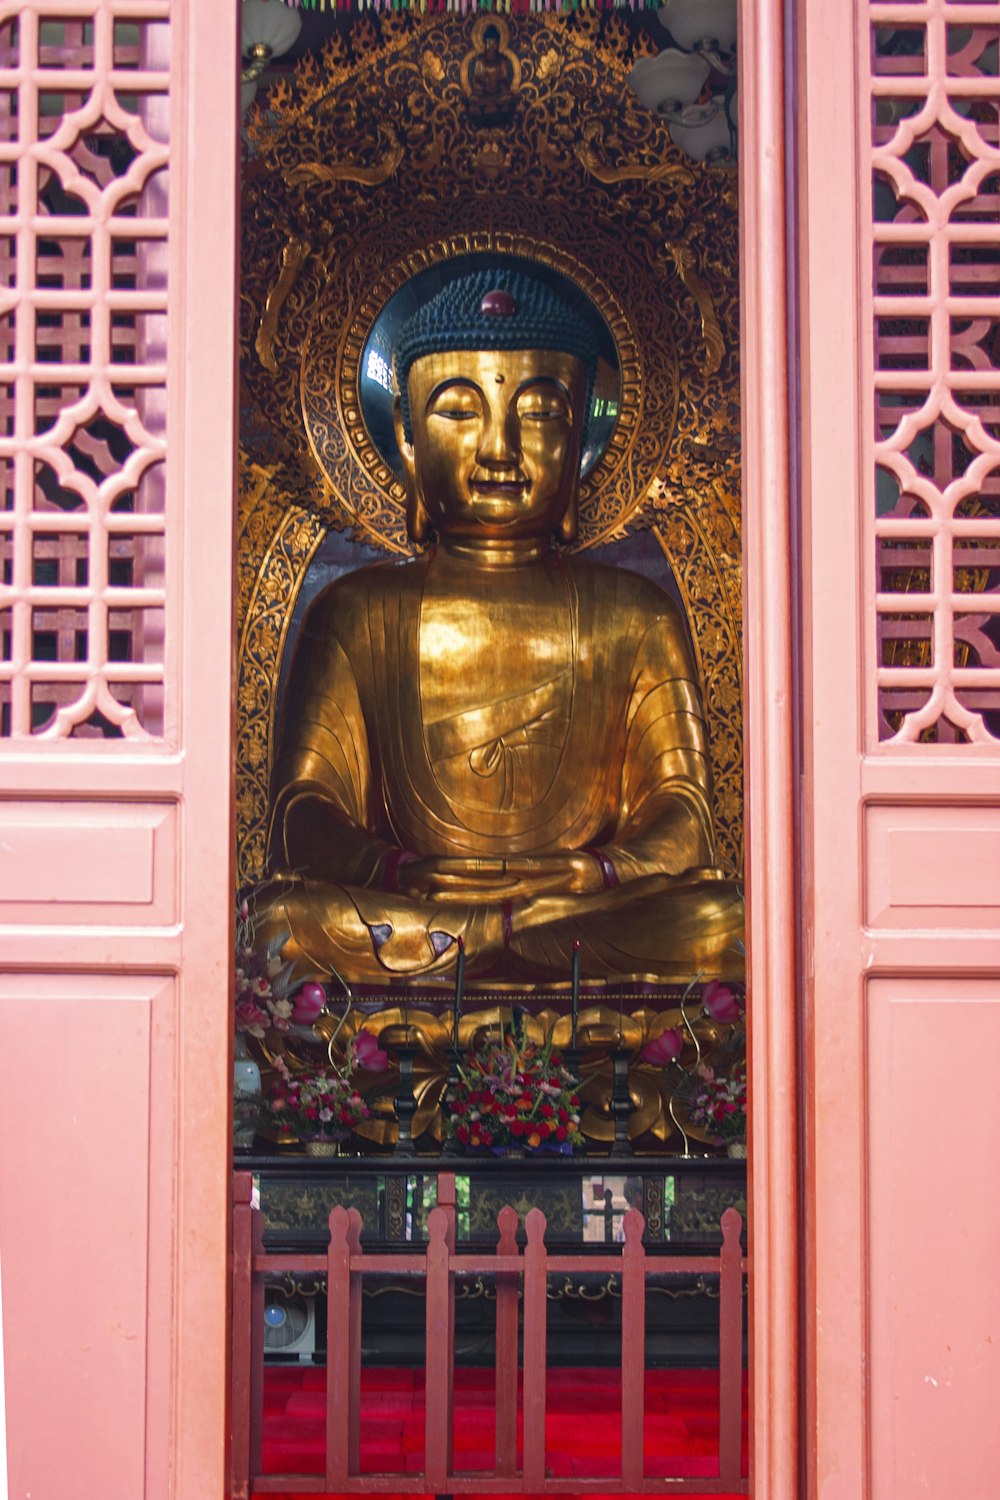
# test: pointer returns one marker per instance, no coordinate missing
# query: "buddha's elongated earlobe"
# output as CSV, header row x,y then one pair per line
x,y
418,522
569,526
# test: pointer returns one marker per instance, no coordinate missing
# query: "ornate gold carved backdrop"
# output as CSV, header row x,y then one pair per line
x,y
378,160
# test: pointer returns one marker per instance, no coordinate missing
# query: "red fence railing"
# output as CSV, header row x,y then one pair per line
x,y
519,1275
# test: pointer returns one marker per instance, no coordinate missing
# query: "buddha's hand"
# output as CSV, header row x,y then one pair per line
x,y
482,882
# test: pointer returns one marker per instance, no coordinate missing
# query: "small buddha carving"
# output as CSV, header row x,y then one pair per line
x,y
496,741
491,83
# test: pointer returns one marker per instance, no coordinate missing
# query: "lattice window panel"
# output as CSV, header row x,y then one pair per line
x,y
83,302
935,133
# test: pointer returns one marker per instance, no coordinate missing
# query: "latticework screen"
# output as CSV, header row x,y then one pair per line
x,y
935,133
83,226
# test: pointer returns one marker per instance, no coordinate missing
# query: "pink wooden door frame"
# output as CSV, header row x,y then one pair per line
x,y
831,418
901,1028
115,967
773,895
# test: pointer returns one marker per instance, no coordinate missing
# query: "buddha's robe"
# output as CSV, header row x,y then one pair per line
x,y
440,708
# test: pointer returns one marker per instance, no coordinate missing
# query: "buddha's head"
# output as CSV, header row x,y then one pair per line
x,y
495,375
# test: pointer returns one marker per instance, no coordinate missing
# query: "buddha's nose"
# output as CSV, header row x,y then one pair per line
x,y
499,447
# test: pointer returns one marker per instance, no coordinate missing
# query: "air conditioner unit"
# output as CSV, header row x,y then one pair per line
x,y
289,1325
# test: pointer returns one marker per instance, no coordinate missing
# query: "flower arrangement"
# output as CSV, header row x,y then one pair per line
x,y
718,1003
712,1089
263,1001
319,1104
513,1093
258,1008
716,1096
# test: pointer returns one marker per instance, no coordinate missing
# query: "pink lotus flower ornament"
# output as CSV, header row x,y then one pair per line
x,y
719,1002
664,1049
310,1002
368,1054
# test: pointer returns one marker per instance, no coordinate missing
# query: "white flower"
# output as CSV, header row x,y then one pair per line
x,y
261,987
326,1115
280,1009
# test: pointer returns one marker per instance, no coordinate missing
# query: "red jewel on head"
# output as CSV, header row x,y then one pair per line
x,y
498,304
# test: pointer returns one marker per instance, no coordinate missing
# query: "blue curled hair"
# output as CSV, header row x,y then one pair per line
x,y
454,320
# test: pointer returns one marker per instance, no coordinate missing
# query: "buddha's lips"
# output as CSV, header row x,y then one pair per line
x,y
502,489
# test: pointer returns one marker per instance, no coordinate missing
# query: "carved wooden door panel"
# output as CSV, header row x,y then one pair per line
x,y
900,301
117,209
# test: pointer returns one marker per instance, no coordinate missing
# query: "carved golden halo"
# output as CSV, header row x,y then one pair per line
x,y
332,411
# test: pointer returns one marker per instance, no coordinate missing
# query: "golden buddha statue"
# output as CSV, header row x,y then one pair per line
x,y
496,742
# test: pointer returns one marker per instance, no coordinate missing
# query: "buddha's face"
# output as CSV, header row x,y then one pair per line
x,y
496,441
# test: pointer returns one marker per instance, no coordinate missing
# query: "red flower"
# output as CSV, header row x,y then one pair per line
x,y
250,1017
546,1111
563,1115
518,1127
561,1132
462,1134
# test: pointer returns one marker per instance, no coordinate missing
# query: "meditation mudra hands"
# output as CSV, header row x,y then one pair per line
x,y
483,882
496,741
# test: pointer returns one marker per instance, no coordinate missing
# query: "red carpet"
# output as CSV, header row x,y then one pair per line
x,y
582,1424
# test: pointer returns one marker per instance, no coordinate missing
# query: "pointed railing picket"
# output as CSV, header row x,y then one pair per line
x,y
344,1267
505,1394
